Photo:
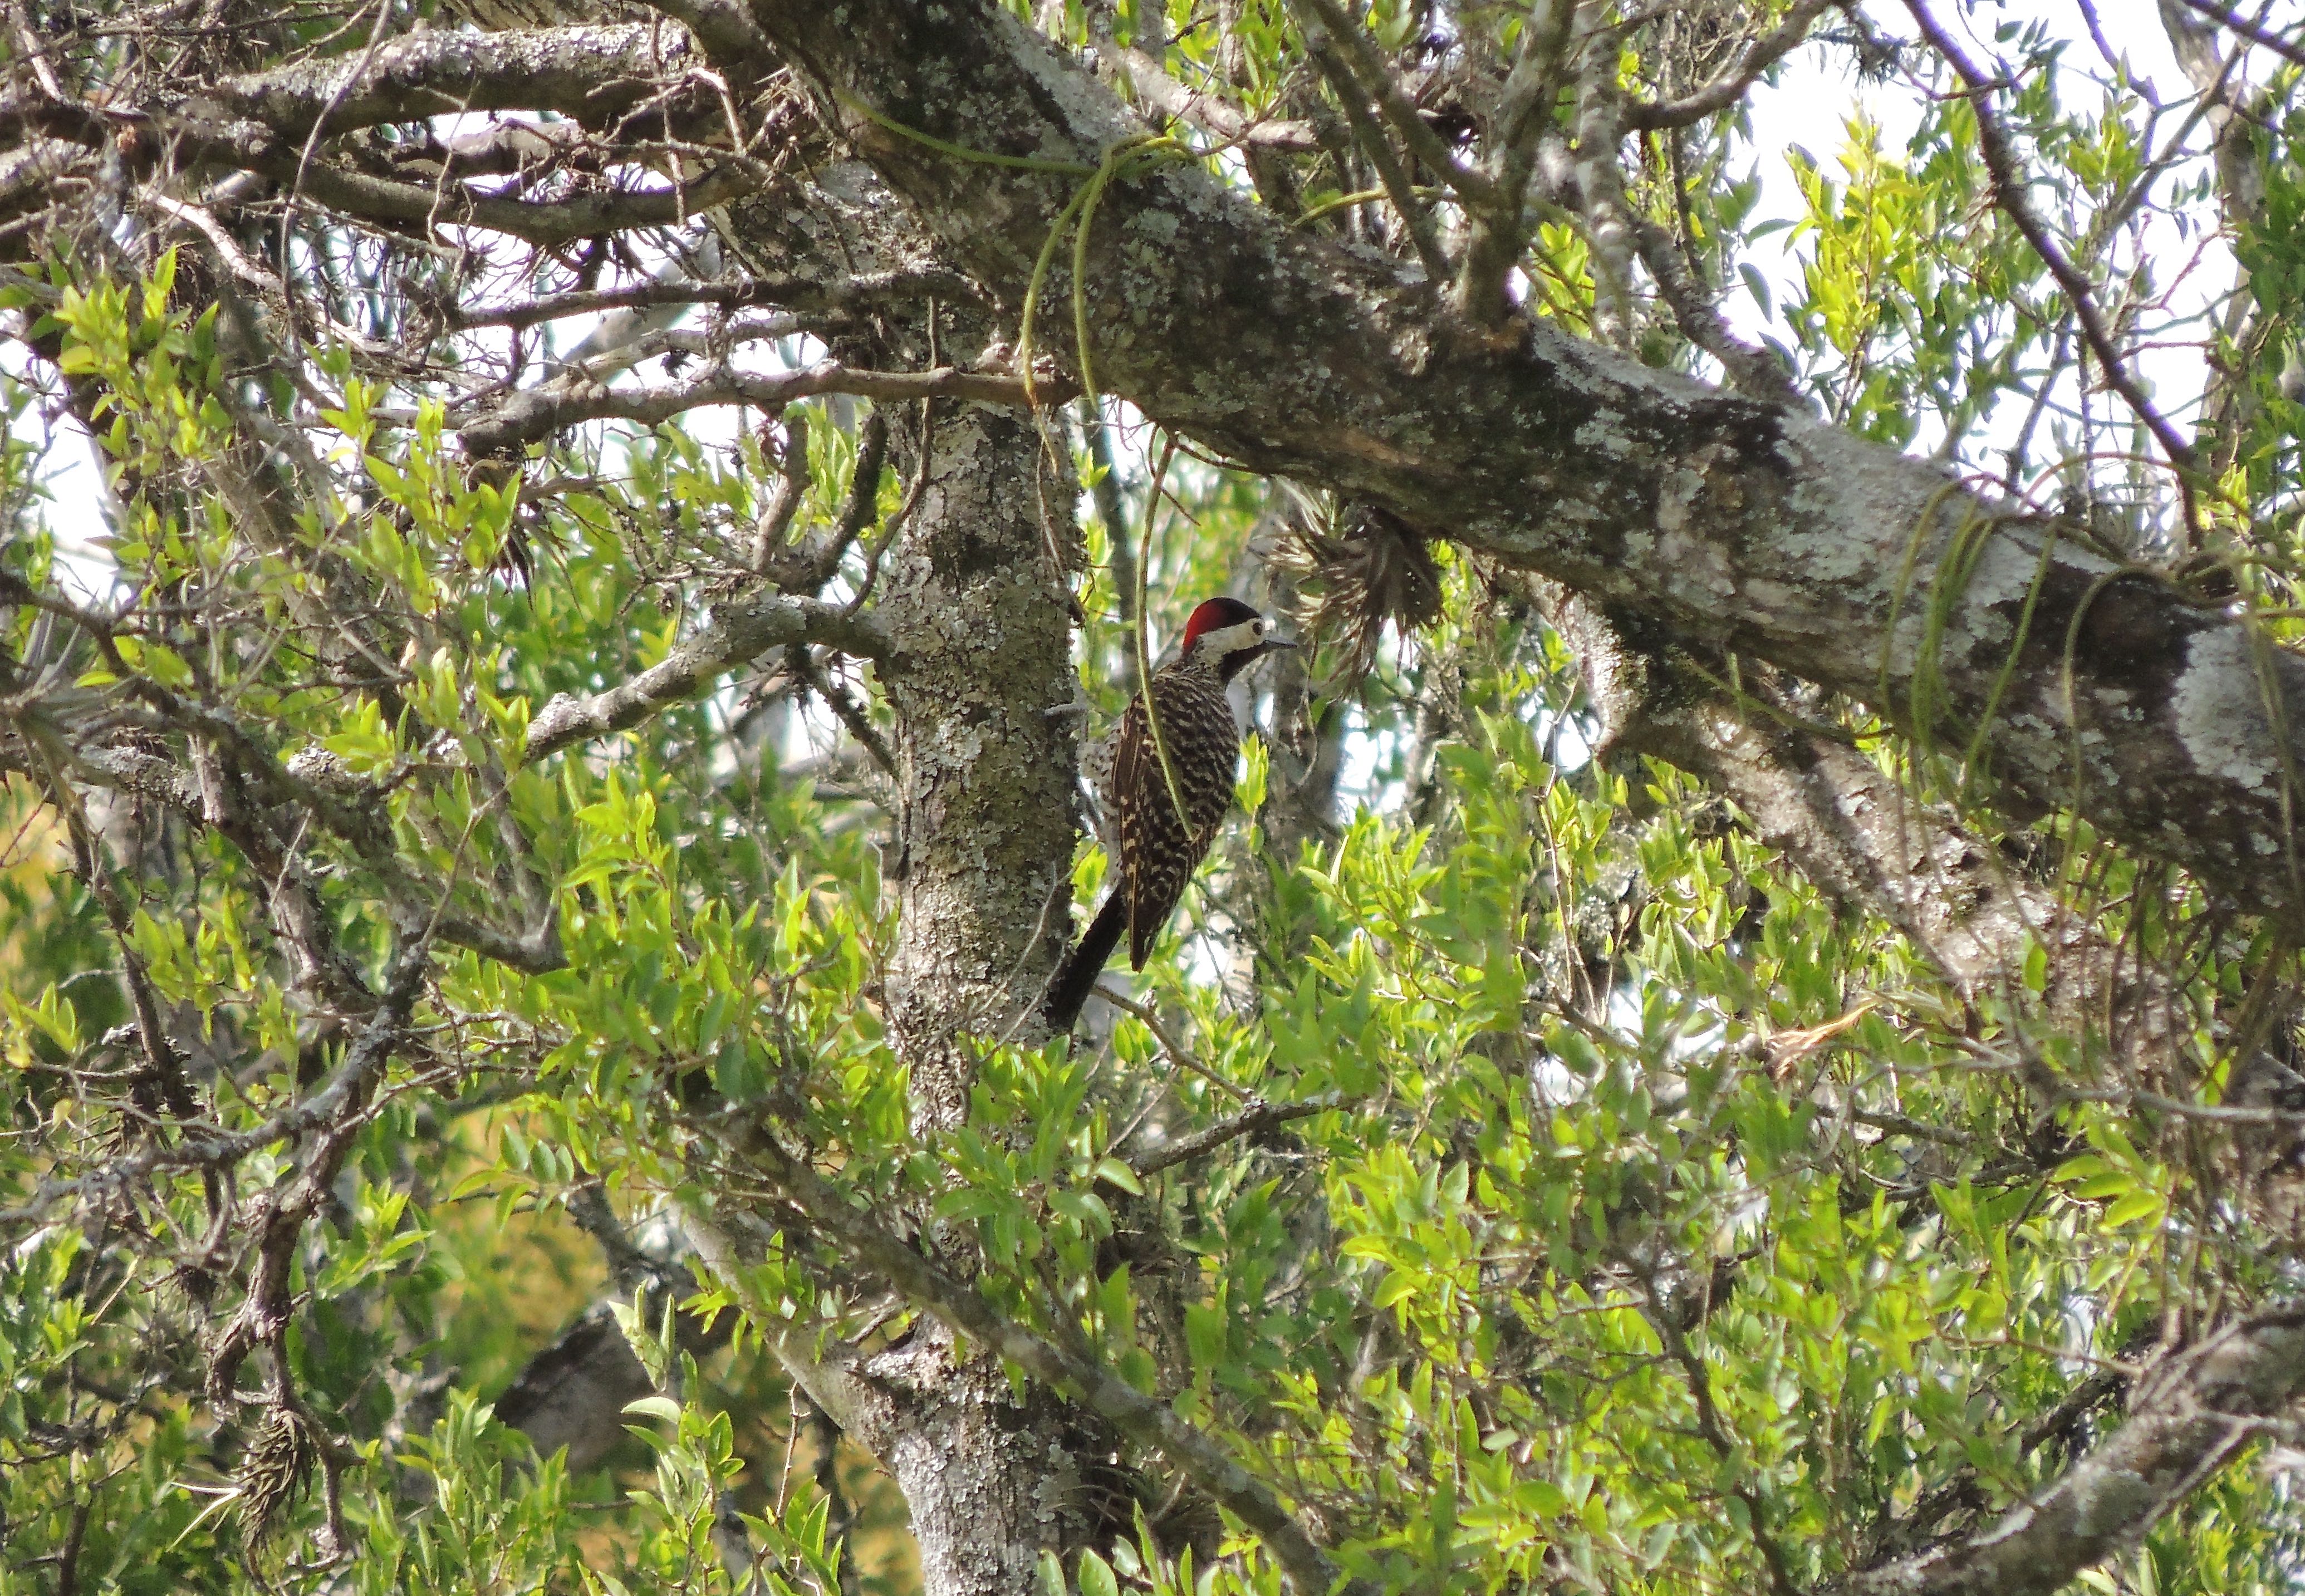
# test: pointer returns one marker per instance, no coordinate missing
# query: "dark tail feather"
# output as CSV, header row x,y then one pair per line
x,y
1084,963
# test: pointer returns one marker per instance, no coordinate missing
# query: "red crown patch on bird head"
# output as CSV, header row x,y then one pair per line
x,y
1230,635
1213,614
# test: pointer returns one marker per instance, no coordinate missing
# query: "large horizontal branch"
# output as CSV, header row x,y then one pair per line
x,y
535,221
248,144
739,631
537,413
1747,526
865,290
2187,1419
589,73
1150,1423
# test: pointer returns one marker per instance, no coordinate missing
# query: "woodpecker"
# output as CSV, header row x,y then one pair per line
x,y
1159,849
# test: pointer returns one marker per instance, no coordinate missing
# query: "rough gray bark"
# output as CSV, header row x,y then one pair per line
x,y
1749,527
590,73
988,1482
1739,523
973,601
978,659
1866,839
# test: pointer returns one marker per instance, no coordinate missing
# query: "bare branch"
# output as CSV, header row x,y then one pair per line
x,y
2187,1419
824,1367
851,713
2008,193
251,146
539,412
539,222
591,74
725,27
1726,90
1596,188
1202,108
739,631
862,291
2288,50
793,480
1259,1116
1751,367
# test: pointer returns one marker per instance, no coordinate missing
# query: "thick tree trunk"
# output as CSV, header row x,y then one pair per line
x,y
972,595
974,600
989,1482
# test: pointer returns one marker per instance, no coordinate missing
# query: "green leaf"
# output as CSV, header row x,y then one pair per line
x,y
1096,1576
1111,1170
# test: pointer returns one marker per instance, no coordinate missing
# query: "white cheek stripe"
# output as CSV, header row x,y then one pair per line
x,y
1224,640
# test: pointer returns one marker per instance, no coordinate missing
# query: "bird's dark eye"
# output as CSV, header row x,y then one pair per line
x,y
1256,627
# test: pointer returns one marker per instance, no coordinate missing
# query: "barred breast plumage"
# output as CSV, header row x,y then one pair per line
x,y
1159,849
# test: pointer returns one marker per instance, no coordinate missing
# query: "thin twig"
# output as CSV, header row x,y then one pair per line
x,y
851,713
2289,50
1727,89
1169,1044
1258,1116
2008,193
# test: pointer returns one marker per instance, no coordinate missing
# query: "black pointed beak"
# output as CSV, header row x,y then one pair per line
x,y
1272,645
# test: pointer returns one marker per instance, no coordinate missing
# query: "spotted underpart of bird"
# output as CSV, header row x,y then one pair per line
x,y
1166,810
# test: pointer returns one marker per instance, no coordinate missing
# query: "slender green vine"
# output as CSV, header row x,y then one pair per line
x,y
1143,635
1123,158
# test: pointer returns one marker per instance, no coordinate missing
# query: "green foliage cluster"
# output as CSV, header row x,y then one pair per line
x,y
1663,1225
